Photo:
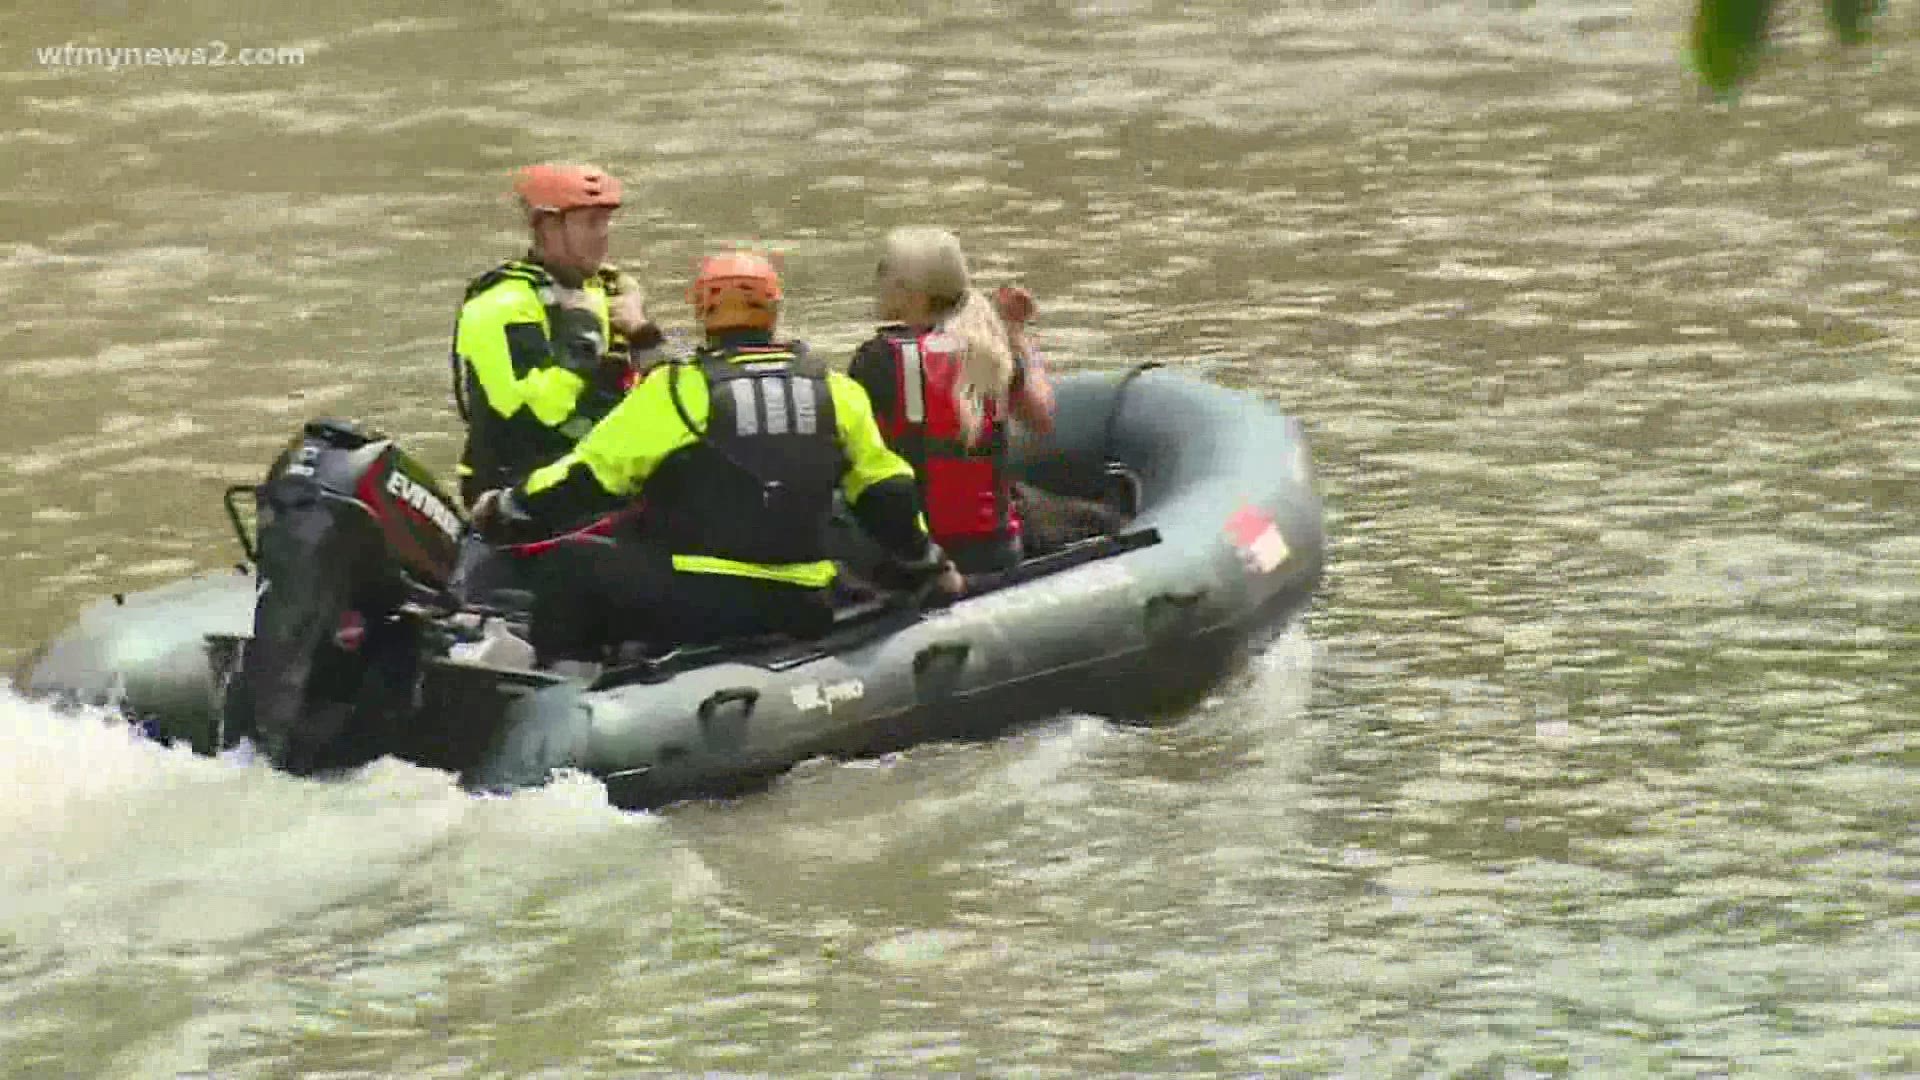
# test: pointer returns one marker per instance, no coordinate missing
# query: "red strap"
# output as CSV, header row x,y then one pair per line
x,y
601,526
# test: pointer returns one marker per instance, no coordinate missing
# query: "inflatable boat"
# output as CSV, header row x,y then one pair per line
x,y
1224,545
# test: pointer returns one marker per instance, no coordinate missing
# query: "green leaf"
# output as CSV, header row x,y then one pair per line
x,y
1727,37
1849,19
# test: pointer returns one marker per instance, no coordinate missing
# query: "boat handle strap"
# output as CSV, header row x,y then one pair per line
x,y
1177,606
926,657
746,695
1185,599
1120,401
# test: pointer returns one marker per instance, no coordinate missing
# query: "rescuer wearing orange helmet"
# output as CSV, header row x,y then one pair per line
x,y
539,351
543,347
738,450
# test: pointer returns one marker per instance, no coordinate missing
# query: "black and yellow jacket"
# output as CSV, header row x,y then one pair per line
x,y
737,453
530,378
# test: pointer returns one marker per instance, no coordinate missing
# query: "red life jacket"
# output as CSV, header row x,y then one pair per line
x,y
965,489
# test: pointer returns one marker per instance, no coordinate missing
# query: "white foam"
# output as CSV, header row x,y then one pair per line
x,y
110,843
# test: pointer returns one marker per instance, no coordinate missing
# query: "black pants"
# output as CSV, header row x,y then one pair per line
x,y
1051,521
984,555
591,596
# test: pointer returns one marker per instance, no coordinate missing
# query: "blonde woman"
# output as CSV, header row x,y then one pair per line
x,y
945,374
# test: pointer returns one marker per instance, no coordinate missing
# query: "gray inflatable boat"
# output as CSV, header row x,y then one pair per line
x,y
1226,546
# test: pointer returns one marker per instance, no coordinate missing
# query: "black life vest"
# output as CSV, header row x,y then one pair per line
x,y
758,486
578,336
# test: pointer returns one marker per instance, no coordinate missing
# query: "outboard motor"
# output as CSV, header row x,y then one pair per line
x,y
351,528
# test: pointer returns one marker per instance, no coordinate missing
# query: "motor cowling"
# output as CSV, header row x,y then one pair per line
x,y
350,528
419,523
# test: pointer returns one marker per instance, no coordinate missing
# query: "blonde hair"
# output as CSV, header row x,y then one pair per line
x,y
929,261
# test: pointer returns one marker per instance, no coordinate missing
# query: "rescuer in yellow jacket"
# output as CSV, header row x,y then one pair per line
x,y
737,453
541,348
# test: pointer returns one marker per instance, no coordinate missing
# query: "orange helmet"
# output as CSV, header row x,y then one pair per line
x,y
557,189
736,291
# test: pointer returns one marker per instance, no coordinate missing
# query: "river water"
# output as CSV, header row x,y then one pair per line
x,y
1596,756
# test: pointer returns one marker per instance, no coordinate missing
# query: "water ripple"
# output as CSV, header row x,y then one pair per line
x,y
1599,763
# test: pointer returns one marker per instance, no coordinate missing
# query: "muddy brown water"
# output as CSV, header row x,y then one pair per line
x,y
1595,757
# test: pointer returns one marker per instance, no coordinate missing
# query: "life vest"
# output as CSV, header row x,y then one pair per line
x,y
503,446
965,489
756,491
582,336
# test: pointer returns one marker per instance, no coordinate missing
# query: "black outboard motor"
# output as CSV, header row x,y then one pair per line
x,y
351,528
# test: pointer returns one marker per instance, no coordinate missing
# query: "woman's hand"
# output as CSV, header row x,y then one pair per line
x,y
1014,303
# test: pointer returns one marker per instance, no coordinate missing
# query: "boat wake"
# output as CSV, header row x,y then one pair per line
x,y
115,844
